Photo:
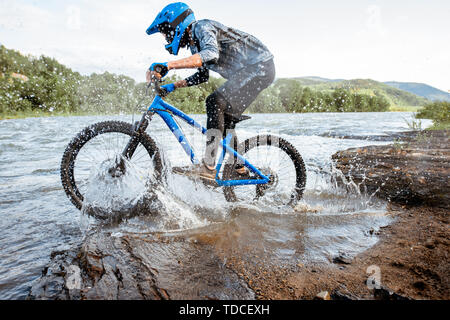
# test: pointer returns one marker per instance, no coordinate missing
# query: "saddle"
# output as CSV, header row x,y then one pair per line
x,y
237,118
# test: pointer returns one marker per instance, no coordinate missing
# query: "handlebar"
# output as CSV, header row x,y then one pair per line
x,y
155,81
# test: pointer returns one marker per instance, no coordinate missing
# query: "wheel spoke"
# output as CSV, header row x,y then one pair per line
x,y
271,159
107,142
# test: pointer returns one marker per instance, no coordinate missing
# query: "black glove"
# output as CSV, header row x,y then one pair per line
x,y
166,89
160,68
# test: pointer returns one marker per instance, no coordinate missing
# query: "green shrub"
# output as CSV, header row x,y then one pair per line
x,y
49,86
438,110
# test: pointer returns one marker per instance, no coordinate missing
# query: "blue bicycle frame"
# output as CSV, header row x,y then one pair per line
x,y
167,111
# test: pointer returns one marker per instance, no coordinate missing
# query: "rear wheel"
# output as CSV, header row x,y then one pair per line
x,y
99,143
274,157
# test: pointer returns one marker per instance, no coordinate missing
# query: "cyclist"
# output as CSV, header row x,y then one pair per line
x,y
237,56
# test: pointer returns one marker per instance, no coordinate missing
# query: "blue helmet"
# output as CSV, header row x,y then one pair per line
x,y
172,21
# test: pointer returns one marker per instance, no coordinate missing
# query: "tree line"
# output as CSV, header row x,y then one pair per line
x,y
288,95
42,84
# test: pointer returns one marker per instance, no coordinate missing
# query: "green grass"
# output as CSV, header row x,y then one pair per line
x,y
440,126
37,114
394,108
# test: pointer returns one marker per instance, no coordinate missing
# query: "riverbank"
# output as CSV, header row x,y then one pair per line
x,y
409,261
44,114
413,170
394,108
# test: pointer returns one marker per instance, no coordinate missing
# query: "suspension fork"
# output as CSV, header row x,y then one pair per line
x,y
138,129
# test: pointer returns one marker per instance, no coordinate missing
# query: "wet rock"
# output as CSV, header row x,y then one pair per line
x,y
403,136
139,267
54,286
323,295
385,293
339,295
420,285
372,232
430,244
412,173
342,258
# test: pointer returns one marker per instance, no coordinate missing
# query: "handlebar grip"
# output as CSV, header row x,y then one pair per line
x,y
158,69
155,81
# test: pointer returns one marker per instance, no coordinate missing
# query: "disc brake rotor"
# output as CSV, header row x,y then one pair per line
x,y
261,189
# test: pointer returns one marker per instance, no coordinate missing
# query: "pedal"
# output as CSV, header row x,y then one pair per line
x,y
206,181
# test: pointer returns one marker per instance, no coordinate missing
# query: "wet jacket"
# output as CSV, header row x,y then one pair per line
x,y
224,50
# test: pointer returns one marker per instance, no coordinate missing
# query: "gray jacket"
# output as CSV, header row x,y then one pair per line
x,y
226,50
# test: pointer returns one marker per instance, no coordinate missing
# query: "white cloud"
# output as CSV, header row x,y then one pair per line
x,y
18,16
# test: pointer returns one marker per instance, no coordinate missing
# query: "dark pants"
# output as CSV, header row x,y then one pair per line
x,y
225,105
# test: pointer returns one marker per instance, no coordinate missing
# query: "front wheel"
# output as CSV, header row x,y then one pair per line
x,y
274,157
100,143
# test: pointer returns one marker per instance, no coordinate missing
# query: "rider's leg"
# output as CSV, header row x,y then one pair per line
x,y
230,128
245,85
215,124
240,92
233,98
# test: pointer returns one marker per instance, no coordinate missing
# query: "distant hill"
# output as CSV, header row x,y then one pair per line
x,y
395,96
313,79
421,89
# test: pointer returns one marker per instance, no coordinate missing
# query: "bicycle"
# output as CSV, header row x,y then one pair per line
x,y
133,144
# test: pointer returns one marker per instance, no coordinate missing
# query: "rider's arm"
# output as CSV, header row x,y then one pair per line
x,y
209,53
194,61
202,75
208,44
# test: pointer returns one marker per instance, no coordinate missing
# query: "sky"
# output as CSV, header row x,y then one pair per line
x,y
395,40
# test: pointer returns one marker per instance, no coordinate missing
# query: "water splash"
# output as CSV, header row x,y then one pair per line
x,y
120,192
116,190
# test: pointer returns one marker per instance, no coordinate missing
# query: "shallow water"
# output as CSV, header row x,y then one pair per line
x,y
37,218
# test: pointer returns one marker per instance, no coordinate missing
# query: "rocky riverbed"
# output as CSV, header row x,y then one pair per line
x,y
414,170
410,260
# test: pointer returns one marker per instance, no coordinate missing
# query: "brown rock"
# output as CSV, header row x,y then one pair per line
x,y
417,175
429,244
323,295
140,268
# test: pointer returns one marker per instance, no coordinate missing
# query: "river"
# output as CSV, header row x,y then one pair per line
x,y
37,217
